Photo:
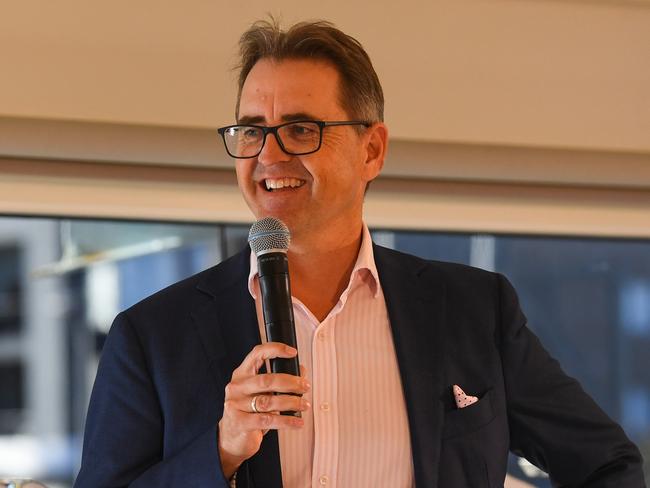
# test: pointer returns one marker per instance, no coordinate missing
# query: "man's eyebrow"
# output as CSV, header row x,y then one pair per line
x,y
252,119
260,120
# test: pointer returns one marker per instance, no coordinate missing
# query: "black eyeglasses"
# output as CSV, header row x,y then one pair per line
x,y
295,138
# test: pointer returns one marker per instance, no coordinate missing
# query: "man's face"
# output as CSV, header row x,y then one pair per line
x,y
323,191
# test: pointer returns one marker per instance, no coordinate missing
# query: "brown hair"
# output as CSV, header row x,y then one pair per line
x,y
360,92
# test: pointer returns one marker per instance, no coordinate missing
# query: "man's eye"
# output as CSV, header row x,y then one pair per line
x,y
251,133
303,130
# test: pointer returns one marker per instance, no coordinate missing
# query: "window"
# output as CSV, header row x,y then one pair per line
x,y
10,290
587,299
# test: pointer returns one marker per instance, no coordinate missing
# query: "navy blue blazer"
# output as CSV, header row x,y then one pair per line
x,y
159,391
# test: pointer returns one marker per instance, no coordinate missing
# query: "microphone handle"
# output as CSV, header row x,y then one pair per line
x,y
277,310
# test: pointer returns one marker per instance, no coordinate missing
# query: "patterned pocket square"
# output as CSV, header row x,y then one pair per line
x,y
462,399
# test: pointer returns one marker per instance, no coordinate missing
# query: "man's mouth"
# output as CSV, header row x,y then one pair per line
x,y
274,184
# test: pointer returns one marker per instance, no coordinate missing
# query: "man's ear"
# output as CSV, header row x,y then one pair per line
x,y
376,146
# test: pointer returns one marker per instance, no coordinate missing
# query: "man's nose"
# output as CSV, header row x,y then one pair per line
x,y
272,152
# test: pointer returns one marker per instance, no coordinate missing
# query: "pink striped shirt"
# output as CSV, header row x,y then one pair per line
x,y
356,434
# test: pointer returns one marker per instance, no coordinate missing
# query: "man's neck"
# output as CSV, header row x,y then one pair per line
x,y
320,272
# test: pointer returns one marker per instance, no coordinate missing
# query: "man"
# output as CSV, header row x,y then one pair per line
x,y
416,372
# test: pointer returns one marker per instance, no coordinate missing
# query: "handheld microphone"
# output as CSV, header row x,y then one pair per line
x,y
269,239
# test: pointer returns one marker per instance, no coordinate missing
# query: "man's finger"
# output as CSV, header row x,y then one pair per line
x,y
273,403
267,383
264,421
260,353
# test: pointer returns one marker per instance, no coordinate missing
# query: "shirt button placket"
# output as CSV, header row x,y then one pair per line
x,y
325,424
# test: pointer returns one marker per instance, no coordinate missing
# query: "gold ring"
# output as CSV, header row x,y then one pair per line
x,y
254,404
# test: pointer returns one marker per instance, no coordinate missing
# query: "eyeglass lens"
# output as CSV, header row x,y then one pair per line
x,y
295,138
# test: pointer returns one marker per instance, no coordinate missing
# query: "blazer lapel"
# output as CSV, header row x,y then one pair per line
x,y
227,325
415,302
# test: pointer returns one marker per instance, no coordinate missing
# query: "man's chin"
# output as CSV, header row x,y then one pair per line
x,y
284,213
285,217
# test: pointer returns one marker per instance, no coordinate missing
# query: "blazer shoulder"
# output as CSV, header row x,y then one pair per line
x,y
450,273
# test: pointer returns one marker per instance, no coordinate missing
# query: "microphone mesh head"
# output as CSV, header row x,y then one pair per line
x,y
269,233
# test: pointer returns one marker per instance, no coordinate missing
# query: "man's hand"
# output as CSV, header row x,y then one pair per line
x,y
241,429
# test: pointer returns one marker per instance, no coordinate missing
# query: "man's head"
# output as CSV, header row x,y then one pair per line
x,y
360,92
312,72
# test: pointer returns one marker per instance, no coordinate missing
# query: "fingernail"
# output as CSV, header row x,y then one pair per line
x,y
290,350
306,384
306,404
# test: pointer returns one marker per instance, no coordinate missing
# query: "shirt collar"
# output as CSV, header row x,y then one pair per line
x,y
363,267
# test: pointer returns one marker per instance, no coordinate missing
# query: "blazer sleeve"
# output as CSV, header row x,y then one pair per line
x,y
553,422
123,441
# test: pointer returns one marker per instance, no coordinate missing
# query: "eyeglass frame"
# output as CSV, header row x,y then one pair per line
x,y
266,130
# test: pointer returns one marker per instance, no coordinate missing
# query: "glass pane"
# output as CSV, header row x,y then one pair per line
x,y
10,289
61,284
12,396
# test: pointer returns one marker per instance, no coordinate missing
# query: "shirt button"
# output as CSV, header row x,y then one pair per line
x,y
323,480
322,335
325,406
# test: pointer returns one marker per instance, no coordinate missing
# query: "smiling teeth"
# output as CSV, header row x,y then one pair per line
x,y
276,184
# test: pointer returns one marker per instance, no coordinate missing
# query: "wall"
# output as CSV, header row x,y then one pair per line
x,y
526,116
514,72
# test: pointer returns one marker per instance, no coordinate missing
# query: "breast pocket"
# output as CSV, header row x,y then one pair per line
x,y
471,418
